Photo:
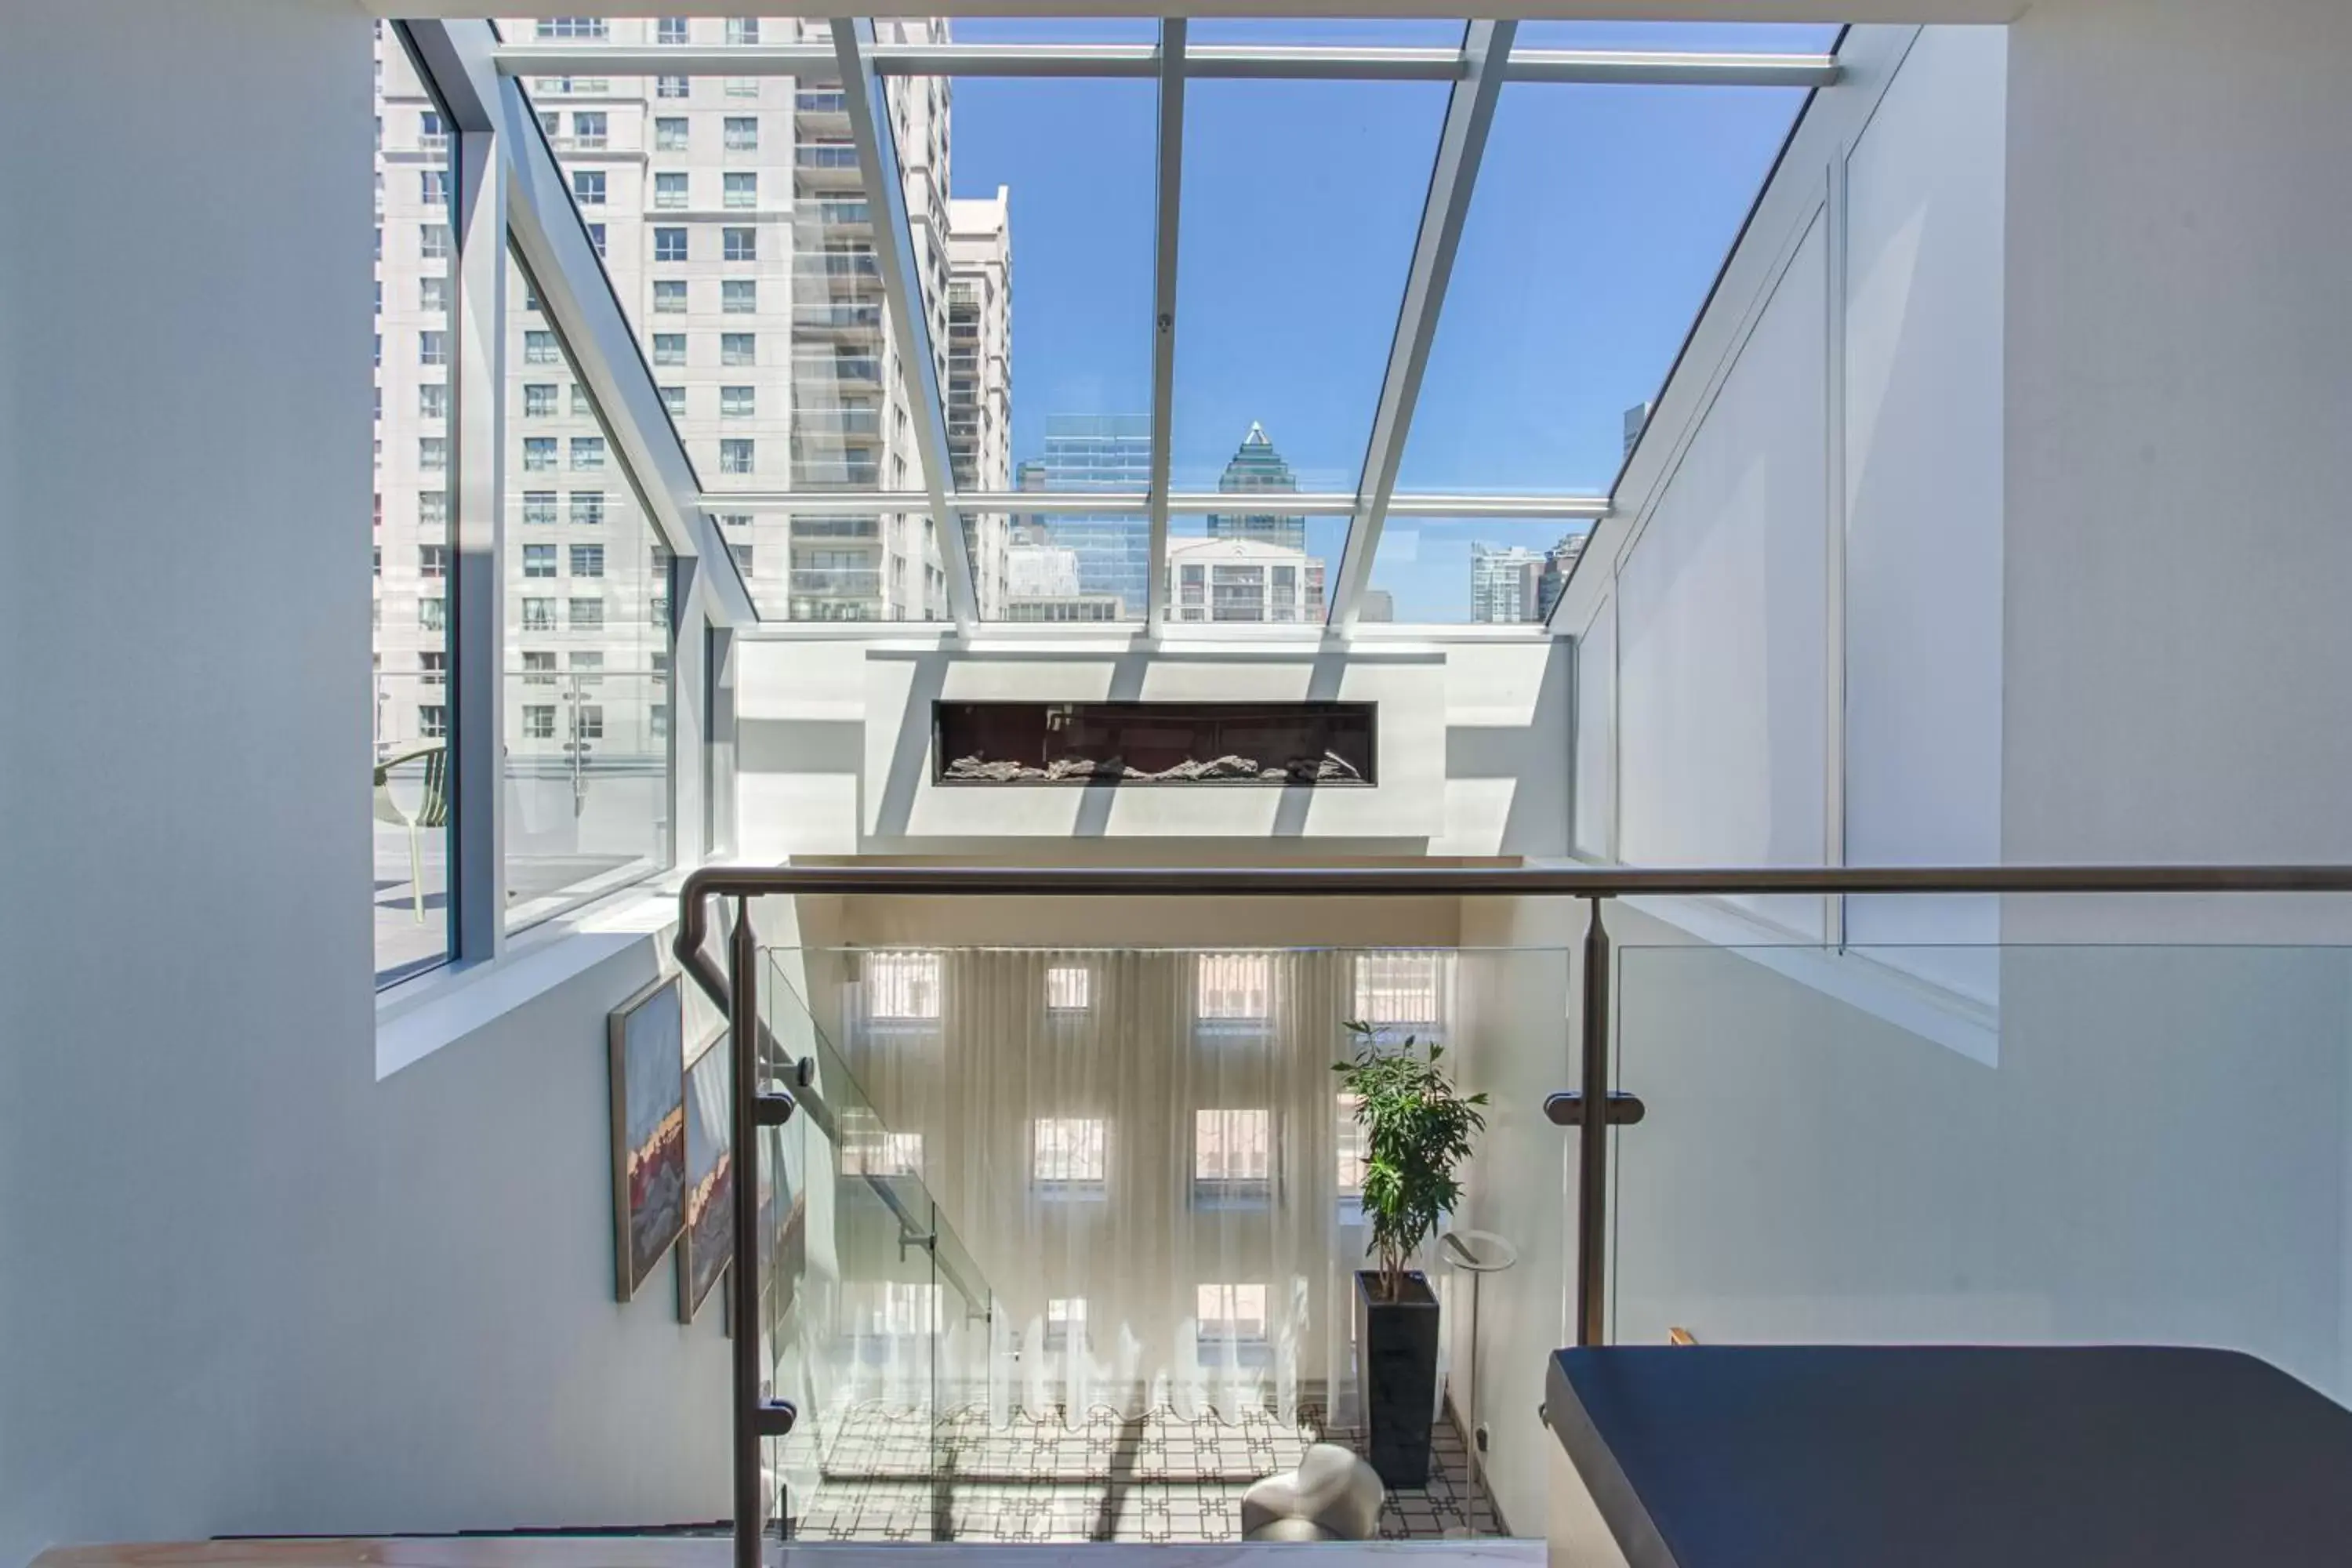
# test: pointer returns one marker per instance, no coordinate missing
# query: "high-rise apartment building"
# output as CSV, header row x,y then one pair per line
x,y
979,389
1637,419
1551,580
1098,452
732,221
1237,579
1501,581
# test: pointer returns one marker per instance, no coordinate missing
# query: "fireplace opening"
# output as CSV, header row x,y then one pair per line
x,y
1320,745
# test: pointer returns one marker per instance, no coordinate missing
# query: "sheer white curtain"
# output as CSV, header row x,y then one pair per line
x,y
1146,1155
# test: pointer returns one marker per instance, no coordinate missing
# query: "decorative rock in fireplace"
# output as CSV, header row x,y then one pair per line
x,y
1321,745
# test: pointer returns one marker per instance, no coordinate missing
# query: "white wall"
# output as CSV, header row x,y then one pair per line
x,y
1485,773
247,1287
185,964
1720,633
2179,223
1801,598
1922,457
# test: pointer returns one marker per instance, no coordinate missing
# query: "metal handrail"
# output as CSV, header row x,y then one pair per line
x,y
1591,1109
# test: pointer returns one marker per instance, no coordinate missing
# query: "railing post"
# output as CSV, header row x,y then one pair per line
x,y
1592,1163
743,1273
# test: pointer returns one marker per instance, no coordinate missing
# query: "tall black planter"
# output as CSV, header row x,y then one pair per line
x,y
1396,1350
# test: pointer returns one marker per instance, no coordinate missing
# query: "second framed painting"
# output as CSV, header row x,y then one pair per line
x,y
707,1244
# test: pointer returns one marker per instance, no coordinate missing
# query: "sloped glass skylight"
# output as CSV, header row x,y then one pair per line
x,y
1310,154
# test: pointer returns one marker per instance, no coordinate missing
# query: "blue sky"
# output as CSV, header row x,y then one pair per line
x,y
1599,218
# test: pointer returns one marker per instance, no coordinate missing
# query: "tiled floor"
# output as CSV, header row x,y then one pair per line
x,y
1159,1478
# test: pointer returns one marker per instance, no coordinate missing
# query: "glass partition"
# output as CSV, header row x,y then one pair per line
x,y
415,208
1554,339
1301,203
1081,1226
735,230
586,727
2141,1144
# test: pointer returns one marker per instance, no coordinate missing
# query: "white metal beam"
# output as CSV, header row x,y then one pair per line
x,y
902,294
1170,183
478,564
1180,503
1293,62
1461,145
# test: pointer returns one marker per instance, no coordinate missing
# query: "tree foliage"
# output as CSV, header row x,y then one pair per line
x,y
1417,1130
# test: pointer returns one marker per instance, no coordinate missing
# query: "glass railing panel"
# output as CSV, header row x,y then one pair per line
x,y
789,1296
2123,1144
413,809
1142,1186
588,795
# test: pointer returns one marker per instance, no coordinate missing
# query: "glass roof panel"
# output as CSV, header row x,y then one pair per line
x,y
1459,571
1599,220
732,221
1393,32
1256,567
1053,30
1061,570
1689,38
1300,203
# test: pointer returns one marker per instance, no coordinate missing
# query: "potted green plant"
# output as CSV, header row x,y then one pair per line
x,y
1417,1132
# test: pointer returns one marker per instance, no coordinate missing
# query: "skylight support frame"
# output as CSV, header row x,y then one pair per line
x,y
902,294
1179,503
1169,190
1252,62
1461,146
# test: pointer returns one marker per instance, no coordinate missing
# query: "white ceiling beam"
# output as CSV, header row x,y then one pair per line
x,y
902,294
1905,11
1461,145
1200,62
1170,165
1180,503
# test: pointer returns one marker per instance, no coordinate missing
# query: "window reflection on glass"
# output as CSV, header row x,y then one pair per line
x,y
586,755
414,797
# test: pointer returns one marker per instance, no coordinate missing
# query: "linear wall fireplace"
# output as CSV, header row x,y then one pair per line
x,y
1321,744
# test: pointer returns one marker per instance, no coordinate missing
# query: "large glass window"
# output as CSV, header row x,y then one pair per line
x,y
1059,173
414,797
587,802
1301,202
1550,346
792,264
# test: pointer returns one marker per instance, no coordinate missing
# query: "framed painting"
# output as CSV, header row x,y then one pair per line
x,y
645,1037
708,1243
